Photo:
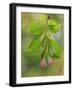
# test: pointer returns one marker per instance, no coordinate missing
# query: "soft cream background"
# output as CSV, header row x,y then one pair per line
x,y
4,45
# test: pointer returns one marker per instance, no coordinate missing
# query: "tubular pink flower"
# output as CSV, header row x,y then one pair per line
x,y
43,63
50,61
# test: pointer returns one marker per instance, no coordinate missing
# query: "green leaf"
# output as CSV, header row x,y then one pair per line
x,y
43,19
34,47
56,49
36,27
51,22
53,26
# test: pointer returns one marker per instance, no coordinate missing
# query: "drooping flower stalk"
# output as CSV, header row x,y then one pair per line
x,y
44,44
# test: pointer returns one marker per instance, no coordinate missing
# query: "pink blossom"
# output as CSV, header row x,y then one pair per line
x,y
50,61
43,63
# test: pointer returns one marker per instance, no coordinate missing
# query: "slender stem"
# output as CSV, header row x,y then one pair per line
x,y
45,39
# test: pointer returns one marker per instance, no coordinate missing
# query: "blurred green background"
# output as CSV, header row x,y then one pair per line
x,y
30,61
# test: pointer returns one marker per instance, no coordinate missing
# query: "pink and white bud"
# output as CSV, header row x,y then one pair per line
x,y
43,63
50,61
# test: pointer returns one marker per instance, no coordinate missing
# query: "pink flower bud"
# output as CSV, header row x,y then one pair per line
x,y
50,61
43,63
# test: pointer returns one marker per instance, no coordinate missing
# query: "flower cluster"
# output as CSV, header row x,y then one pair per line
x,y
43,63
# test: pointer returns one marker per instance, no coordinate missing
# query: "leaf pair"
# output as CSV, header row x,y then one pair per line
x,y
38,26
